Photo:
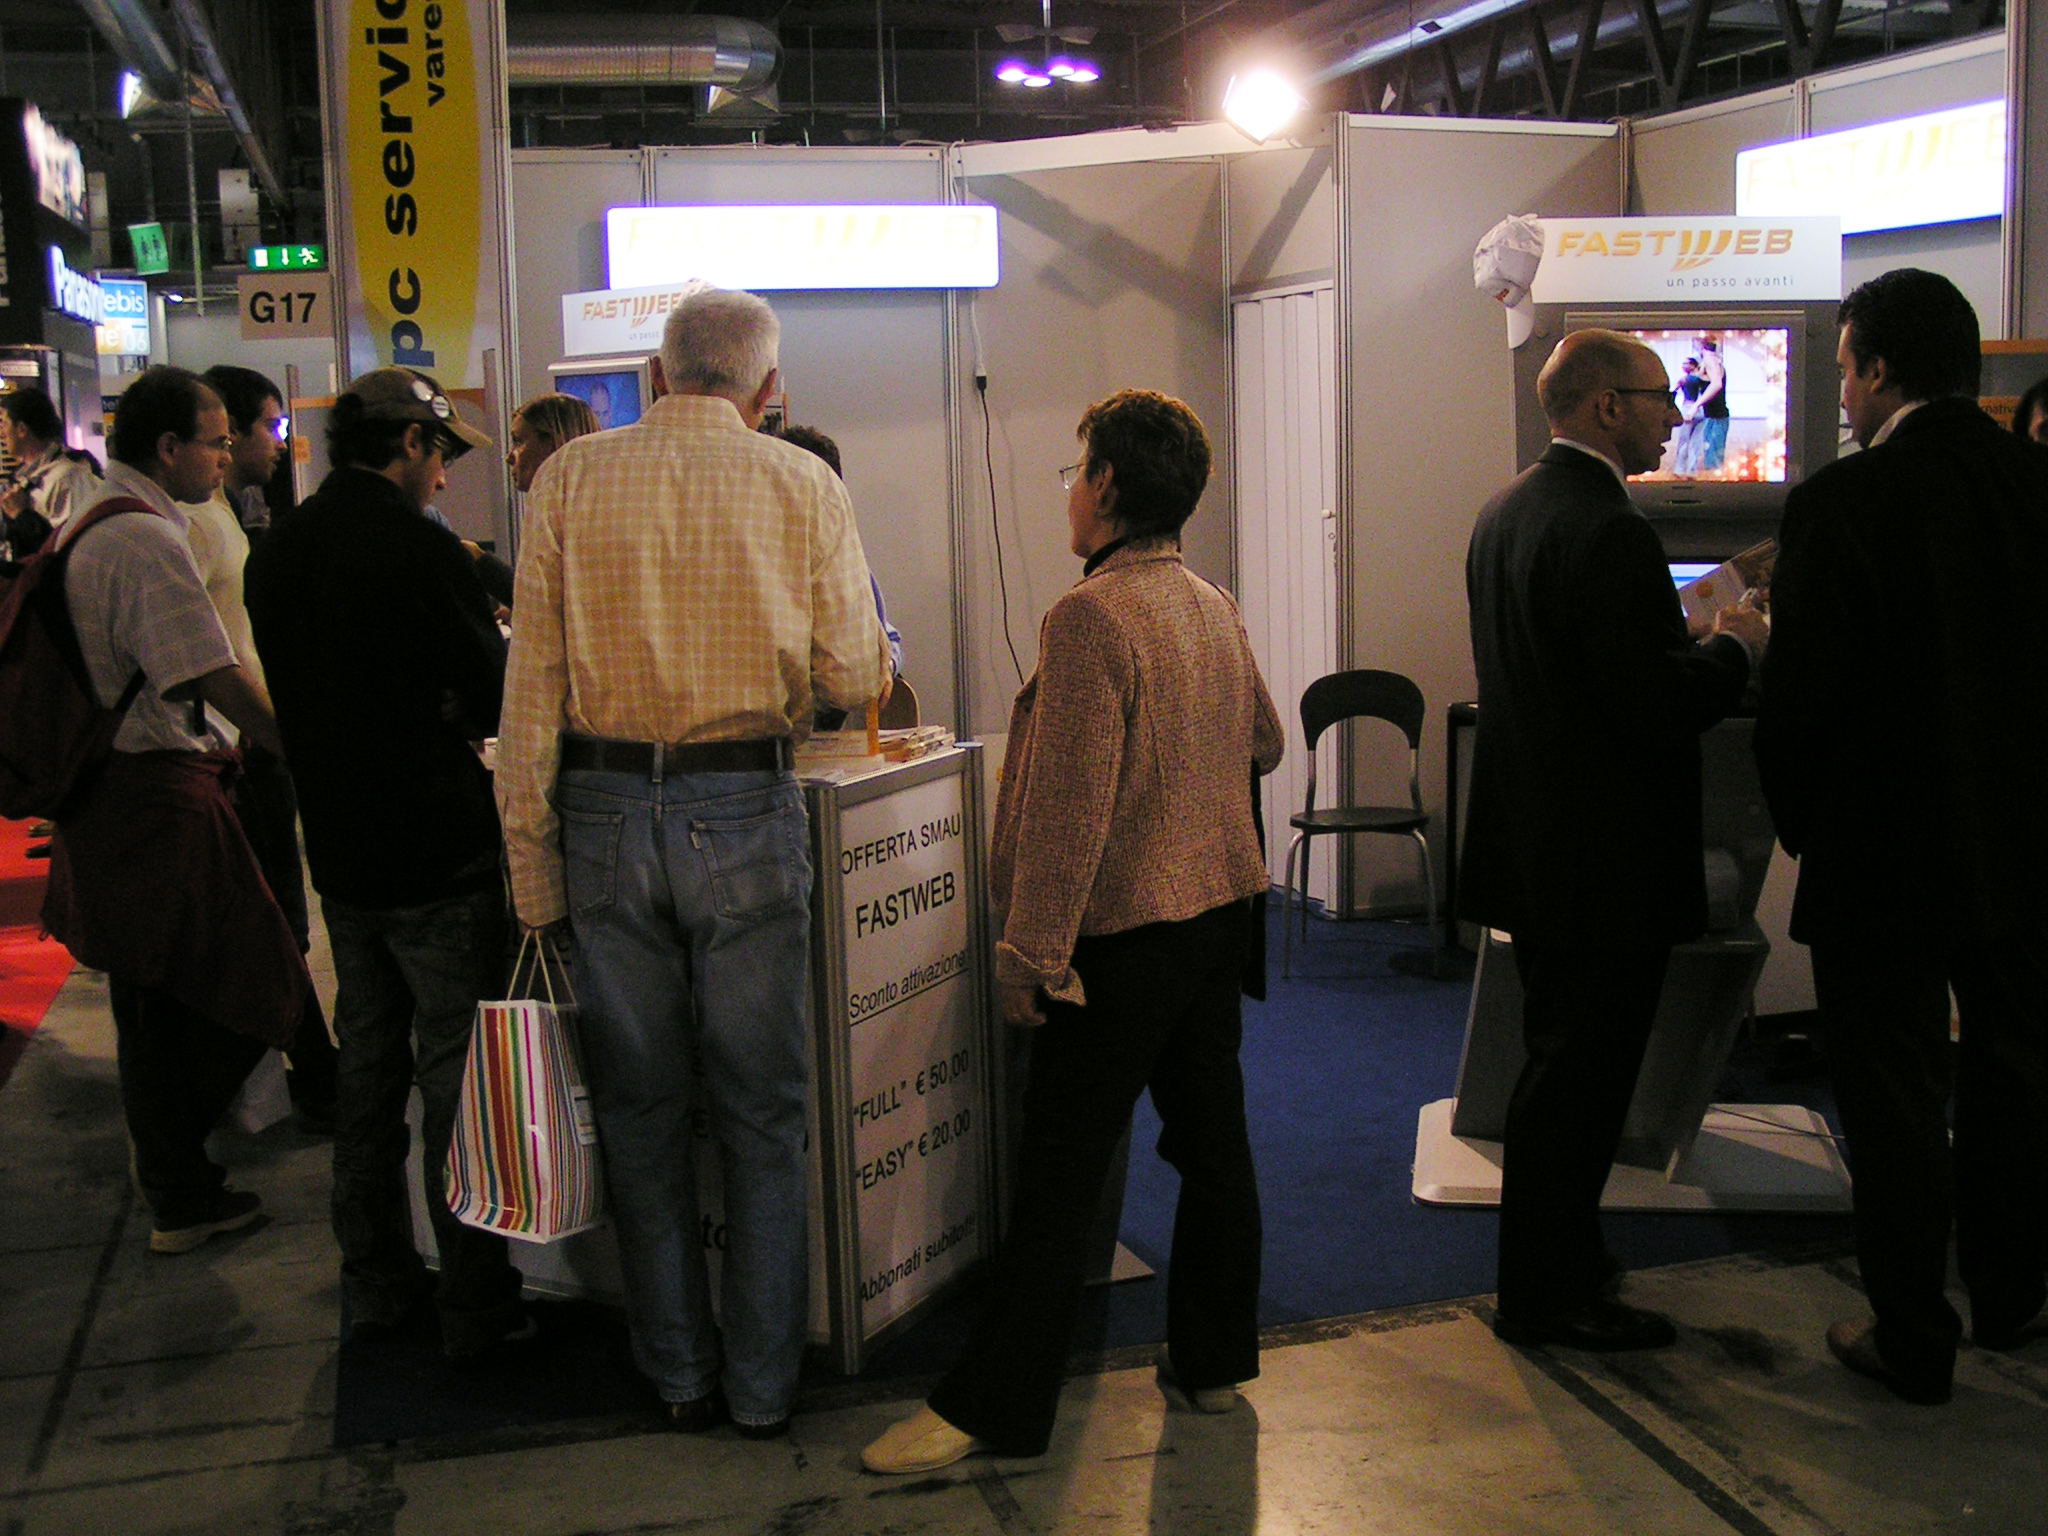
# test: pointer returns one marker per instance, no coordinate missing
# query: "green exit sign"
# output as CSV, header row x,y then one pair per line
x,y
152,251
287,258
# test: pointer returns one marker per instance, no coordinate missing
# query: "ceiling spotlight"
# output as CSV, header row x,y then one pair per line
x,y
1012,71
129,92
1059,66
1083,73
1260,104
1036,81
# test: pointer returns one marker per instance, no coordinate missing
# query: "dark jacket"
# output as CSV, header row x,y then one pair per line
x,y
369,619
1903,734
1585,803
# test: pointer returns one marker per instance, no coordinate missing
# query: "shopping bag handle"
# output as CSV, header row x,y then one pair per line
x,y
539,947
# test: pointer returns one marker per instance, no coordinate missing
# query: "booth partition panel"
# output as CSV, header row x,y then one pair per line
x,y
1286,418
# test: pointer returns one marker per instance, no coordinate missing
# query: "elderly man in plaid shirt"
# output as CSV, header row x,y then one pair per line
x,y
688,591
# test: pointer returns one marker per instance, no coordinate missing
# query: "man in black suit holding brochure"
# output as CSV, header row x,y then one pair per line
x,y
1902,734
1584,840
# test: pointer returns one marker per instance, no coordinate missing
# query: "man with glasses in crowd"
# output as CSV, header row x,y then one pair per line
x,y
1584,839
387,664
151,877
264,798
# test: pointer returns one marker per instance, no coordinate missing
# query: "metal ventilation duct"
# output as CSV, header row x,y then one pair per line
x,y
727,51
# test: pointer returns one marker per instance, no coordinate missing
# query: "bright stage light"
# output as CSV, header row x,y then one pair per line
x,y
1011,72
1083,73
1036,81
1260,104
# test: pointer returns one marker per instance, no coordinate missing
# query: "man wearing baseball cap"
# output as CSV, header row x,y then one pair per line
x,y
385,664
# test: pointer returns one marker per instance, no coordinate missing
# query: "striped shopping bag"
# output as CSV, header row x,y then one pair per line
x,y
524,1160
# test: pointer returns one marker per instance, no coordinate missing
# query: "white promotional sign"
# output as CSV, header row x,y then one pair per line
x,y
1932,169
910,1017
618,321
803,246
1601,261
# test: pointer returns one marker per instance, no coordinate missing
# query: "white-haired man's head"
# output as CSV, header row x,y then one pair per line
x,y
720,341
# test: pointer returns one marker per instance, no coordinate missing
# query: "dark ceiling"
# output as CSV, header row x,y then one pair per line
x,y
863,71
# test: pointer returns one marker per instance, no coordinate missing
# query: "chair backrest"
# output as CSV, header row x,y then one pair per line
x,y
1348,695
901,710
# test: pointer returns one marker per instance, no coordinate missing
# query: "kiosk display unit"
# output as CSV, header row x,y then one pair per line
x,y
618,390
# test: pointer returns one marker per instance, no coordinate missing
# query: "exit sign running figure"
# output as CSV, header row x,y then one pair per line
x,y
287,258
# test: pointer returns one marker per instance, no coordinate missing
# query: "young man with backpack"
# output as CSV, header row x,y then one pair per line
x,y
151,877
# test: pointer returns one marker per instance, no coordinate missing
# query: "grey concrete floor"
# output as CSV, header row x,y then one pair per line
x,y
196,1394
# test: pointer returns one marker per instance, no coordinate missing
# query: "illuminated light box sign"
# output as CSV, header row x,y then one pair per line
x,y
74,293
799,246
1604,261
124,323
1933,169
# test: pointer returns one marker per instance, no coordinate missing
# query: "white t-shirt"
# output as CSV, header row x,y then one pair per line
x,y
137,601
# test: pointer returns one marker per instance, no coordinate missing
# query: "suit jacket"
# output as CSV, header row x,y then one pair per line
x,y
1903,734
1584,826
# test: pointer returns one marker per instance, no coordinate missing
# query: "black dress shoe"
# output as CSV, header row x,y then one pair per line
x,y
2002,1339
1855,1345
698,1414
1599,1325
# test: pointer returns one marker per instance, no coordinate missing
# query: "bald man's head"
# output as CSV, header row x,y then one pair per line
x,y
1585,363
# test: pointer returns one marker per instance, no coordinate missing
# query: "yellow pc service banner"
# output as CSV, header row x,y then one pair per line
x,y
417,185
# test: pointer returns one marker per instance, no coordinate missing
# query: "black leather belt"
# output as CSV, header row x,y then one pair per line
x,y
605,756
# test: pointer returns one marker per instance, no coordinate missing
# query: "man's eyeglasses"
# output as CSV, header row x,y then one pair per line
x,y
1070,473
223,444
1669,396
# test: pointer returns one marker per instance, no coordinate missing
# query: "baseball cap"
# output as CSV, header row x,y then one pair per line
x,y
404,394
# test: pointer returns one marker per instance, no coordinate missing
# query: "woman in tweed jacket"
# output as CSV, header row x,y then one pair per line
x,y
1126,855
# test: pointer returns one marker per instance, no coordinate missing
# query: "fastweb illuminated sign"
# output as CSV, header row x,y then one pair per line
x,y
798,246
1932,169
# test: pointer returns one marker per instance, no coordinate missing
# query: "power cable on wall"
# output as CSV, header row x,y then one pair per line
x,y
995,522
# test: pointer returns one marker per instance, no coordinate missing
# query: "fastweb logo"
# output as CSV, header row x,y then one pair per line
x,y
1689,249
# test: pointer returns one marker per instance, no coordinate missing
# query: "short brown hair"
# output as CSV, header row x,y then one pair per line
x,y
1159,453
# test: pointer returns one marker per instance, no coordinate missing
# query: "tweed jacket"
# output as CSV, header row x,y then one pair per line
x,y
1126,798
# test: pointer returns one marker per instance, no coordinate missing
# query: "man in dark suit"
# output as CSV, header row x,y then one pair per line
x,y
1902,739
1584,839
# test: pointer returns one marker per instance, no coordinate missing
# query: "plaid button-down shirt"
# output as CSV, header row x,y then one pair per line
x,y
680,580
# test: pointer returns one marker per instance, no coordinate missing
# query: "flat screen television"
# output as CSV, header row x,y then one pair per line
x,y
1730,385
618,390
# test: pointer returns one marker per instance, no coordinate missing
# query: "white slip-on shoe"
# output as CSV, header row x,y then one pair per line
x,y
924,1442
1202,1399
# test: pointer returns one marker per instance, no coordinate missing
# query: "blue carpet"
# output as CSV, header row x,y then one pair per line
x,y
1337,1063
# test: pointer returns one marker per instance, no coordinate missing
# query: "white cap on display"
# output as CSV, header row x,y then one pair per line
x,y
1504,267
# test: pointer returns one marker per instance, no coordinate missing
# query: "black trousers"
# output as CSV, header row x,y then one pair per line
x,y
268,808
179,1072
1884,1019
1162,1013
1586,1016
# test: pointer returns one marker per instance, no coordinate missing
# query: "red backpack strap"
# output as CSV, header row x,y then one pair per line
x,y
98,513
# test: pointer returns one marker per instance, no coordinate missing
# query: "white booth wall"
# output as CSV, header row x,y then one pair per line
x,y
866,368
1684,162
1112,278
1427,413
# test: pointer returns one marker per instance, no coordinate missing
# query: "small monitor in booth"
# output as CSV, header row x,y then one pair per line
x,y
618,390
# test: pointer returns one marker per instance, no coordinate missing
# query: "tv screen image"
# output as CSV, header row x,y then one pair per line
x,y
613,398
1731,389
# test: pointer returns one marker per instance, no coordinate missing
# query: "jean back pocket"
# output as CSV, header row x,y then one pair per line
x,y
758,864
590,858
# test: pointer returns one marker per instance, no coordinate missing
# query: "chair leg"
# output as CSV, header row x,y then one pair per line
x,y
1286,900
1308,846
1436,927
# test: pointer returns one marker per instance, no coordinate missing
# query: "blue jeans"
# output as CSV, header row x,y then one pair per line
x,y
690,901
409,979
1714,448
